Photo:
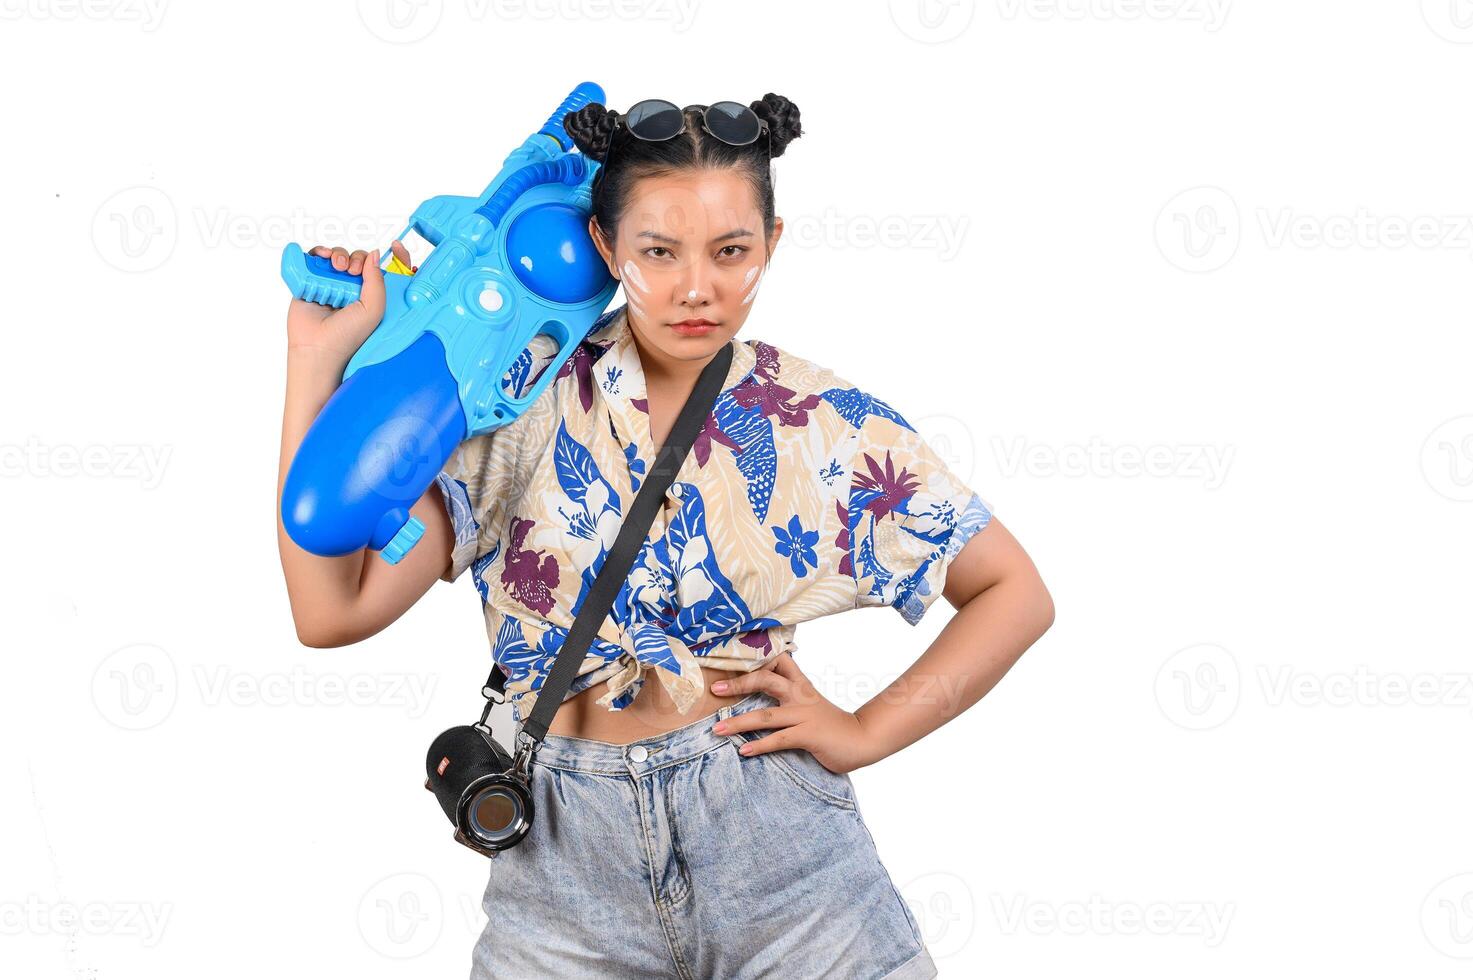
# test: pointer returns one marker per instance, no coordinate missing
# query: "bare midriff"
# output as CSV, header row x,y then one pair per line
x,y
651,713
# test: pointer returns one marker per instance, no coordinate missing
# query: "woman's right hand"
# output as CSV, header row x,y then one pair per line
x,y
340,332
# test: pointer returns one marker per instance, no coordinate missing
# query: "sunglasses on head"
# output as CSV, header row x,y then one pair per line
x,y
656,120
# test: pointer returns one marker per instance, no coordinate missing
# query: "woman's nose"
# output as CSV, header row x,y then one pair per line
x,y
695,286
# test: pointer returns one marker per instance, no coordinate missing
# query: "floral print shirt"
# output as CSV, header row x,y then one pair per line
x,y
801,497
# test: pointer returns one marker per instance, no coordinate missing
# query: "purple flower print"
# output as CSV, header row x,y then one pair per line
x,y
529,576
841,541
711,432
761,391
893,488
796,545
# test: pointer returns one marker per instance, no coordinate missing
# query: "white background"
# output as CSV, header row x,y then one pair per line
x,y
1179,286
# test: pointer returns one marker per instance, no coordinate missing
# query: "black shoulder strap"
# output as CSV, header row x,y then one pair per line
x,y
616,564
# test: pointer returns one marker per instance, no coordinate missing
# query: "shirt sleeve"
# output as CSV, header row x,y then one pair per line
x,y
478,475
908,516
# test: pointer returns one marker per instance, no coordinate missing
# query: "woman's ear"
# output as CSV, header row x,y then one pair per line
x,y
777,232
601,242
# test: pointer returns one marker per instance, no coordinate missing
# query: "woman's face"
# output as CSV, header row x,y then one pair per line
x,y
690,246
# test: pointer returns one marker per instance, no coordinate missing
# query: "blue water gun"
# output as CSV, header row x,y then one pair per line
x,y
508,265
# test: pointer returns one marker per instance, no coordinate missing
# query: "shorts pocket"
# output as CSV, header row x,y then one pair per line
x,y
803,771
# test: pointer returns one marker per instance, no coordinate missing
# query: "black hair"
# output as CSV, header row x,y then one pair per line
x,y
592,126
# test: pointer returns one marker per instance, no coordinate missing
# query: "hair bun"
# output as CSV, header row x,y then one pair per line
x,y
590,128
782,118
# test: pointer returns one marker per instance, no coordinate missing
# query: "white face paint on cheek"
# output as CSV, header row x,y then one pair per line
x,y
753,291
632,277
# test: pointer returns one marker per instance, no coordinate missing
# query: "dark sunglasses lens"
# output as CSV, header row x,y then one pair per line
x,y
734,123
654,119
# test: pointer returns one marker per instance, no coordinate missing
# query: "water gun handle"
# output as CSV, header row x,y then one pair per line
x,y
312,277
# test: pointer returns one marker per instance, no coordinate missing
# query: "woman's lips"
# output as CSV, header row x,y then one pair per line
x,y
693,329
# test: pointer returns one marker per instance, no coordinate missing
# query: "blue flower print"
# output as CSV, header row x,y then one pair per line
x,y
636,465
796,545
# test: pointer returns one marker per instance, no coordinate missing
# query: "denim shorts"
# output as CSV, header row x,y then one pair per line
x,y
676,856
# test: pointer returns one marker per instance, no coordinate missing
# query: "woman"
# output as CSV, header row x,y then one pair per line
x,y
704,825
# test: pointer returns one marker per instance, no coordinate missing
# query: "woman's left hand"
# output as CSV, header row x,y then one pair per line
x,y
804,719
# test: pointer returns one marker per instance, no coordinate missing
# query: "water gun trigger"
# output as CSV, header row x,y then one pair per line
x,y
396,266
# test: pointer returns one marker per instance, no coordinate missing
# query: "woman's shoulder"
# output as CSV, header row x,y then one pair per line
x,y
811,384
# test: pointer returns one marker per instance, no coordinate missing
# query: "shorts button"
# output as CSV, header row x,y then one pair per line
x,y
638,753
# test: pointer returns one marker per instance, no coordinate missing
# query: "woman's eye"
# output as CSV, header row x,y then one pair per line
x,y
657,248
740,251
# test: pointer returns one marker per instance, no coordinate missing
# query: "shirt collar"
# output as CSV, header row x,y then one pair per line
x,y
618,378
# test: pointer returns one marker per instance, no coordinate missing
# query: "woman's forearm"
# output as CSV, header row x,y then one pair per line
x,y
978,646
322,590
